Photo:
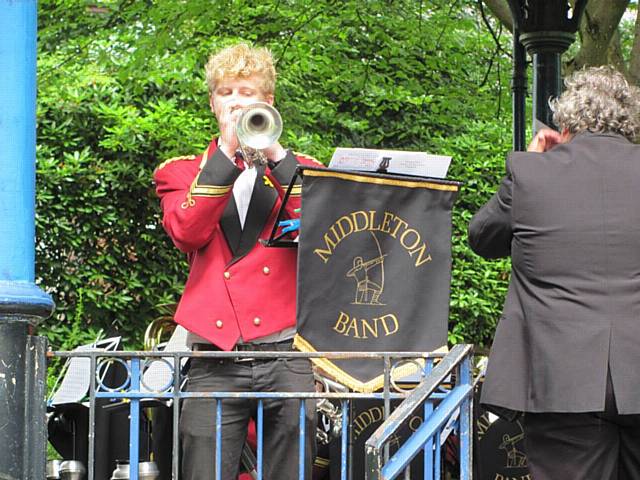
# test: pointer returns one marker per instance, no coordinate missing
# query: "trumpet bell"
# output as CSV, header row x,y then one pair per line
x,y
259,126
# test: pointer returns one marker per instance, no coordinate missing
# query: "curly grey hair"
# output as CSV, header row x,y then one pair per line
x,y
598,99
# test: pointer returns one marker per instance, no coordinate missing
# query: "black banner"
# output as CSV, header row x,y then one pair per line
x,y
366,417
374,268
499,446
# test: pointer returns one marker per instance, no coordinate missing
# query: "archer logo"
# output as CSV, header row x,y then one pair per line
x,y
368,273
515,457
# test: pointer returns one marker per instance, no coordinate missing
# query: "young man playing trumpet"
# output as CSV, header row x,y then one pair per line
x,y
239,295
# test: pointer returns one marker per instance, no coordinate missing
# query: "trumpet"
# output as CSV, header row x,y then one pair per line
x,y
259,126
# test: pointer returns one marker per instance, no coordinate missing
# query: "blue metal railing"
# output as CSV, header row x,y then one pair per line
x,y
439,406
459,398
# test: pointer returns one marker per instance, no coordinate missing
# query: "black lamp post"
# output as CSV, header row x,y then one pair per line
x,y
545,29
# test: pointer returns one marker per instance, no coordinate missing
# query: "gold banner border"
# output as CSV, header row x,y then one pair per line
x,y
350,382
354,177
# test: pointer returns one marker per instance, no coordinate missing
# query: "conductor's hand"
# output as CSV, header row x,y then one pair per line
x,y
545,140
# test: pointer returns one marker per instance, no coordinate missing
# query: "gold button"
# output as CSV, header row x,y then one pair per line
x,y
256,321
219,323
266,270
227,275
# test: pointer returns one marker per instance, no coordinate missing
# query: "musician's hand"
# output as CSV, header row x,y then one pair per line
x,y
227,121
545,140
275,152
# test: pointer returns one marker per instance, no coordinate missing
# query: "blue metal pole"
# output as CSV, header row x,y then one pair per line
x,y
22,303
260,434
134,422
301,439
17,139
343,439
219,439
466,419
428,446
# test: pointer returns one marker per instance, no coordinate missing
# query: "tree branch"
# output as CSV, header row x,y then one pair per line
x,y
444,29
296,30
496,38
634,63
500,10
578,9
615,54
597,28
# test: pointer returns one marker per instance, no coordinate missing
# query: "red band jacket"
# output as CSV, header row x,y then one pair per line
x,y
237,287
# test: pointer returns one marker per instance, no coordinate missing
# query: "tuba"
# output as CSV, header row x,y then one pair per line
x,y
160,327
259,126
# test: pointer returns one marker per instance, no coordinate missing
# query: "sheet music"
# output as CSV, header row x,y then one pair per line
x,y
355,159
77,378
158,374
418,164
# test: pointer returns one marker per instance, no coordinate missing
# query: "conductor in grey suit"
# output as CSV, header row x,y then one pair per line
x,y
567,347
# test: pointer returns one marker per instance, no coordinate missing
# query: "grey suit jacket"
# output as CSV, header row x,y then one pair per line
x,y
570,219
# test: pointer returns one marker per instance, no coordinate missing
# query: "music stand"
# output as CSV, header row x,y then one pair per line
x,y
275,239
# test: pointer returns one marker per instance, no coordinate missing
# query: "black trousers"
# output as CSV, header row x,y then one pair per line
x,y
281,417
583,446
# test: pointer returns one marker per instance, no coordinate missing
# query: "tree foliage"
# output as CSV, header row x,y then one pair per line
x,y
121,88
609,33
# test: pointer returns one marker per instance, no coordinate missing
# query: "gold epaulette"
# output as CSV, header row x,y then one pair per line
x,y
174,159
308,157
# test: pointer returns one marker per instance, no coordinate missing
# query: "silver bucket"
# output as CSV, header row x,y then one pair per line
x,y
72,470
146,471
53,469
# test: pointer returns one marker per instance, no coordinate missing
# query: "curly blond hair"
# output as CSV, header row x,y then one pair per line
x,y
241,61
598,99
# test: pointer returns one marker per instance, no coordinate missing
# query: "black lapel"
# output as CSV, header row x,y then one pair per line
x,y
263,198
230,223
